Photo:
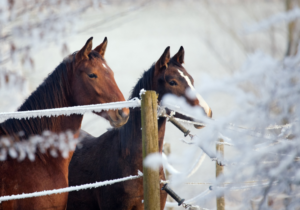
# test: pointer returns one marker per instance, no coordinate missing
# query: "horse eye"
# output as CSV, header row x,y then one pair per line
x,y
92,75
172,83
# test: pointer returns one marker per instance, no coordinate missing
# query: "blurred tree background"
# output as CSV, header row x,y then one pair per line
x,y
218,37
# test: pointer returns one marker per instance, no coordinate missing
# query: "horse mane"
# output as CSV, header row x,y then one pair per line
x,y
145,82
129,131
54,92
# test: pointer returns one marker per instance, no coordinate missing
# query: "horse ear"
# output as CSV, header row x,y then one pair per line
x,y
85,51
102,47
163,60
179,57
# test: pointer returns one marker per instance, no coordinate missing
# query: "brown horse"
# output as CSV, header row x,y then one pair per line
x,y
118,153
83,78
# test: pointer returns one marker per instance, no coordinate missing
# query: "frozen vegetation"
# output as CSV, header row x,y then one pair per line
x,y
252,88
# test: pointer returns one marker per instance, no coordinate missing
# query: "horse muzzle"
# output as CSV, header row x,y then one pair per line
x,y
118,118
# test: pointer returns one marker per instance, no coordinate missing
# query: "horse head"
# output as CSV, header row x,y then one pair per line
x,y
170,77
94,83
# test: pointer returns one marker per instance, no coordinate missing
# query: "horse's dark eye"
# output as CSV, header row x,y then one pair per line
x,y
172,83
92,75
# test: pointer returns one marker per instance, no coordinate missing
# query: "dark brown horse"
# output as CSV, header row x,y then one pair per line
x,y
118,153
81,79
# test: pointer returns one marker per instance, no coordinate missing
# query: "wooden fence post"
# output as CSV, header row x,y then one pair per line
x,y
219,171
151,181
293,34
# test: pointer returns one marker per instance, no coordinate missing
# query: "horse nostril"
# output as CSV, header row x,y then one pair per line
x,y
122,114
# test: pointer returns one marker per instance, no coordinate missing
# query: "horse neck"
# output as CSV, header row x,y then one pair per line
x,y
60,123
161,132
130,134
63,99
132,138
54,92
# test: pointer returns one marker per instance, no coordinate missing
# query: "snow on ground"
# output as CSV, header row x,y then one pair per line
x,y
211,34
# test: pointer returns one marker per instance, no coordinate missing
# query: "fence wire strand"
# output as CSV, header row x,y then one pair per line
x,y
135,102
69,189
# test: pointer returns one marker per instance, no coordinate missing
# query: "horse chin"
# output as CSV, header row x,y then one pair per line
x,y
110,115
118,123
103,114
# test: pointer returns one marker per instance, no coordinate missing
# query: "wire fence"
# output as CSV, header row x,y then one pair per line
x,y
9,147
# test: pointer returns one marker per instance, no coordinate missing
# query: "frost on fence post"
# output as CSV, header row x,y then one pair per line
x,y
150,145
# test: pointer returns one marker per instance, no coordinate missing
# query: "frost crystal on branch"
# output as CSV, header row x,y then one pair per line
x,y
26,27
53,143
266,92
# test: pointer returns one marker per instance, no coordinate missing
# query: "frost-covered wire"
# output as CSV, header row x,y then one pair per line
x,y
230,125
191,200
63,142
135,102
69,189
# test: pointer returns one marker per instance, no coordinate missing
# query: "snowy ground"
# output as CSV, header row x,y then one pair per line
x,y
213,39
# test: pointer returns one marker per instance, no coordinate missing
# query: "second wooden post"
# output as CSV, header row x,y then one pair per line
x,y
150,145
219,171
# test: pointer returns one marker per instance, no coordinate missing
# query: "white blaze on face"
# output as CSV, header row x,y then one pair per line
x,y
199,97
104,65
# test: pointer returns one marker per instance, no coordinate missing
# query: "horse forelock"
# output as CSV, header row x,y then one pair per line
x,y
92,55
